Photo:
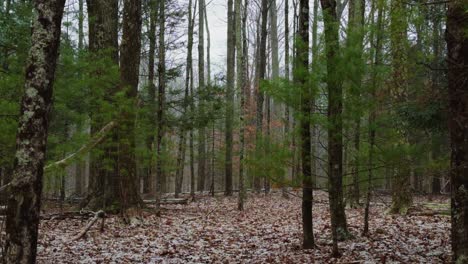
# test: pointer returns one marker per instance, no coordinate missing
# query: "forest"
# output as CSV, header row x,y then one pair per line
x,y
238,131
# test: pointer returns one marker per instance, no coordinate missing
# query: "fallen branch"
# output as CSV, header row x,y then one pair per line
x,y
97,215
98,138
4,187
168,201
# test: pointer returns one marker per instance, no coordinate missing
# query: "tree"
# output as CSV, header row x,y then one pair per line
x,y
301,72
376,58
188,82
201,103
231,52
401,193
335,126
129,76
354,43
153,16
161,121
261,68
103,46
26,187
457,58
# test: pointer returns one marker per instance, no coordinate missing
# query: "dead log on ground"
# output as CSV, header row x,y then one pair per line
x,y
97,216
169,201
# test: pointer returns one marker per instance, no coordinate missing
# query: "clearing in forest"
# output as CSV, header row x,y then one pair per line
x,y
211,230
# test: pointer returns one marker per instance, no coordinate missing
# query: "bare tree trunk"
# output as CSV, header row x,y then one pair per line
x,y
153,9
243,86
335,130
24,203
286,106
129,76
261,65
192,107
302,80
103,42
188,69
315,67
160,180
231,51
372,115
457,58
201,87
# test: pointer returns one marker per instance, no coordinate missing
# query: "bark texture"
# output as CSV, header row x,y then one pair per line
x,y
24,202
335,126
301,77
457,43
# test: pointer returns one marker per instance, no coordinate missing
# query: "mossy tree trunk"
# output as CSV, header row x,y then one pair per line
x,y
24,203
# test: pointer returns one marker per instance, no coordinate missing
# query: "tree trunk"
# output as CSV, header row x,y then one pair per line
x,y
201,103
192,106
354,43
231,51
160,179
243,87
376,57
286,106
149,181
315,67
261,67
103,42
401,193
129,76
335,130
22,216
188,68
301,79
457,59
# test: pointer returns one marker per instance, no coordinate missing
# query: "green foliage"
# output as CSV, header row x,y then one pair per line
x,y
270,160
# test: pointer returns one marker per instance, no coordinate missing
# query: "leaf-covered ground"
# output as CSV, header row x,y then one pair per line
x,y
211,230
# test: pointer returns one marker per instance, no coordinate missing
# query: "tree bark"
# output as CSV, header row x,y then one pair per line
x,y
401,184
201,103
301,73
355,47
160,179
22,219
457,59
261,67
153,10
103,43
243,86
129,76
335,129
376,57
231,51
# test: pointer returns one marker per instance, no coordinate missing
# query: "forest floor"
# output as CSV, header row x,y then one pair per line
x,y
211,230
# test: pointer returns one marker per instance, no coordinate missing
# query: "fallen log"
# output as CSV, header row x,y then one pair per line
x,y
68,215
98,215
169,201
